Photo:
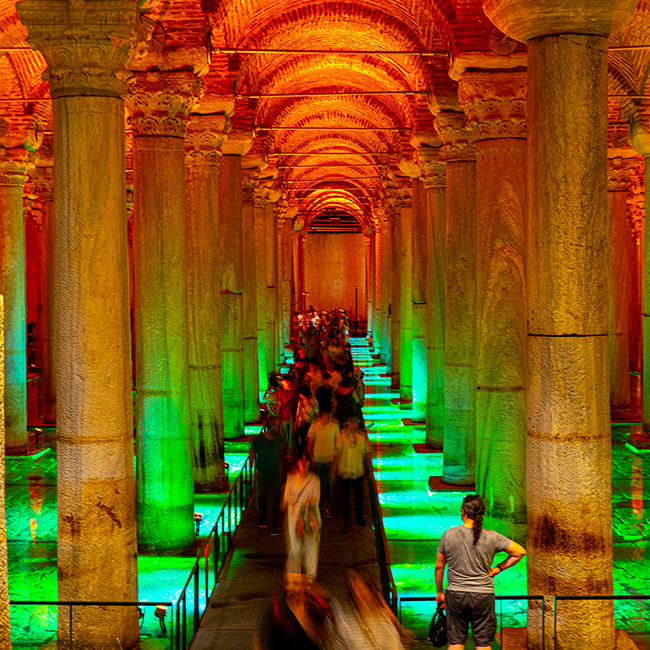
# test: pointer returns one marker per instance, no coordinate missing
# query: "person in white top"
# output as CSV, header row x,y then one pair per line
x,y
351,462
300,501
320,446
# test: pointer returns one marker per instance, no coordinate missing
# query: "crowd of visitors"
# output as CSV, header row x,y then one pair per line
x,y
314,434
313,425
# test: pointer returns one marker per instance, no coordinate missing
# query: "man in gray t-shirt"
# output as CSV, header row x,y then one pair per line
x,y
468,551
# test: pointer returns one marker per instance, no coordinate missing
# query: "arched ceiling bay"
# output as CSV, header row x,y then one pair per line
x,y
351,126
339,145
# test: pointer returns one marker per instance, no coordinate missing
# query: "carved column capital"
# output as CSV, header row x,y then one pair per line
x,y
160,103
204,138
495,103
457,136
87,45
434,170
526,19
620,172
42,181
15,164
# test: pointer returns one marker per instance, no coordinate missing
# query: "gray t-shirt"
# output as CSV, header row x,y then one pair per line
x,y
468,565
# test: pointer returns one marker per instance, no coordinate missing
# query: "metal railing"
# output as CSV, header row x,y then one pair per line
x,y
426,599
388,587
217,543
99,603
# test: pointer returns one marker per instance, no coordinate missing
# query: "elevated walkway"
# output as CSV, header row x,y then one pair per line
x,y
254,570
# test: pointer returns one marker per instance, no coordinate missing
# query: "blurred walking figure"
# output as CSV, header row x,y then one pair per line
x,y
369,624
320,446
301,497
296,620
351,463
268,449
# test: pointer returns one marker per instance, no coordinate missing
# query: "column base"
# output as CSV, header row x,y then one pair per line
x,y
152,549
456,475
516,638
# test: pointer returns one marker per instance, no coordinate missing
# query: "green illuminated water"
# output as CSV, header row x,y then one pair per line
x,y
414,517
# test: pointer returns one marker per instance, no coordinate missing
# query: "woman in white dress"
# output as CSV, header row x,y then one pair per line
x,y
300,500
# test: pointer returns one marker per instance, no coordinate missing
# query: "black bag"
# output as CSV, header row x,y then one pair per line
x,y
438,628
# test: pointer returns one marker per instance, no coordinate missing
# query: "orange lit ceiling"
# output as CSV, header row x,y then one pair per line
x,y
338,147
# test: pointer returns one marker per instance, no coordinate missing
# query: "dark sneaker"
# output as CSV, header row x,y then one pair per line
x,y
327,512
275,531
346,529
361,522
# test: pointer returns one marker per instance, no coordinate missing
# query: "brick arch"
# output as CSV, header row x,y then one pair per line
x,y
248,22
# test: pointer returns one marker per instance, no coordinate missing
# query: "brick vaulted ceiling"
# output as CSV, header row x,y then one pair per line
x,y
333,149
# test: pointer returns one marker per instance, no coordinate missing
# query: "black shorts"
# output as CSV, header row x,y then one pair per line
x,y
465,607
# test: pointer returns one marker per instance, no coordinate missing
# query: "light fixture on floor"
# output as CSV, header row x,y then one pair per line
x,y
160,613
198,518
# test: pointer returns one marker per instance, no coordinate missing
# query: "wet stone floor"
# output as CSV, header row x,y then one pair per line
x,y
414,519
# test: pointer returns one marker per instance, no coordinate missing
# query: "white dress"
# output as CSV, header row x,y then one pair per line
x,y
302,495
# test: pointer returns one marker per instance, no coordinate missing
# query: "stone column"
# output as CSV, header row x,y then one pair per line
x,y
5,624
43,180
406,306
159,105
14,165
251,360
569,438
619,171
459,448
386,291
261,292
272,312
285,272
495,102
434,173
370,286
395,278
421,250
204,138
87,50
380,307
231,250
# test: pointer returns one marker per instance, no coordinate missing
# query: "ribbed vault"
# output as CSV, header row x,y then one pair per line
x,y
320,141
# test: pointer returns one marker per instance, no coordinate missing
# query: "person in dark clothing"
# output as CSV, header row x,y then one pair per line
x,y
296,620
267,449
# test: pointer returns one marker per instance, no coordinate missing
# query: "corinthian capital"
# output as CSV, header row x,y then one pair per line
x,y
432,163
42,181
204,138
87,44
620,173
457,135
160,103
15,164
495,103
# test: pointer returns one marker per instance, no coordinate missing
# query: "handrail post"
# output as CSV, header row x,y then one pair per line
x,y
184,646
554,622
71,627
178,624
543,623
196,599
206,558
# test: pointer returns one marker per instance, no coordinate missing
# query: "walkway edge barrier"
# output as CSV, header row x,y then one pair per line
x,y
389,590
218,543
103,603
